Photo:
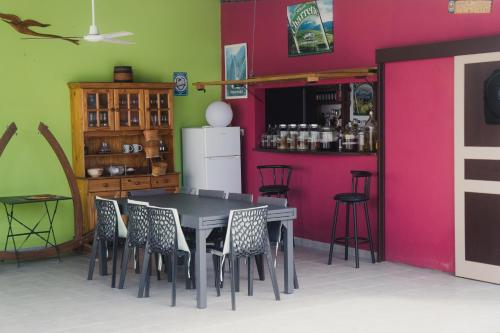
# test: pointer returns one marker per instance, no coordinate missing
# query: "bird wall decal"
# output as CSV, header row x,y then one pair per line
x,y
23,27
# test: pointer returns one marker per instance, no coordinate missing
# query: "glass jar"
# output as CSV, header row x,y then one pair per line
x,y
303,138
326,138
349,138
361,140
371,138
314,137
293,133
283,137
269,139
276,137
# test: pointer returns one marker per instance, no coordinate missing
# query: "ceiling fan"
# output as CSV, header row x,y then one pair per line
x,y
93,36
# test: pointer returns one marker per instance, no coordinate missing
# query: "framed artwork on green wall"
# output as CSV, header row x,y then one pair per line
x,y
310,28
235,64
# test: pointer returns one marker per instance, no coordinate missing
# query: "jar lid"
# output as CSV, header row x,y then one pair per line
x,y
314,126
303,126
292,126
284,126
326,128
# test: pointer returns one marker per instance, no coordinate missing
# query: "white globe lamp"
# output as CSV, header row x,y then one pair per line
x,y
219,114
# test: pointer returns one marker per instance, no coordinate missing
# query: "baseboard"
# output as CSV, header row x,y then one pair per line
x,y
338,249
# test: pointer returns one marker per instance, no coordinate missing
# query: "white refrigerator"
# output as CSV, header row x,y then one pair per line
x,y
211,158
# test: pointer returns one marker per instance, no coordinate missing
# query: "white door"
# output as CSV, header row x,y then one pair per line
x,y
224,173
222,141
477,171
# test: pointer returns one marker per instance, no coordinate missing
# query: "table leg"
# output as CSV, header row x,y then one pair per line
x,y
51,227
10,233
201,267
288,242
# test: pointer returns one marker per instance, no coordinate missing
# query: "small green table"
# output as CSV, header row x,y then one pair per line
x,y
10,202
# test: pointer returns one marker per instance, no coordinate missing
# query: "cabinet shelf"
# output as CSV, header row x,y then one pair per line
x,y
125,154
319,152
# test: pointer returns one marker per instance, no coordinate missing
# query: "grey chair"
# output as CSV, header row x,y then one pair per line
x,y
246,237
240,197
212,194
274,229
109,228
165,237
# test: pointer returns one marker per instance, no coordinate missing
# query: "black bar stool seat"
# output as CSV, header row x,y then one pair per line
x,y
274,189
353,199
274,180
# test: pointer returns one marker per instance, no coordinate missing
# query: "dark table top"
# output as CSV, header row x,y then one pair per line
x,y
194,207
26,199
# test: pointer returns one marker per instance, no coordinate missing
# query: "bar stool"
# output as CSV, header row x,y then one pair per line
x,y
353,199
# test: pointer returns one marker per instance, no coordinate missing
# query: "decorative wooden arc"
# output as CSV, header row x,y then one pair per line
x,y
70,176
7,135
77,240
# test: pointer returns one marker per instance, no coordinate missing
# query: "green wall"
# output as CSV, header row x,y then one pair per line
x,y
171,35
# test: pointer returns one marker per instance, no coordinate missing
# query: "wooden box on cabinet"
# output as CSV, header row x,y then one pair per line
x,y
117,114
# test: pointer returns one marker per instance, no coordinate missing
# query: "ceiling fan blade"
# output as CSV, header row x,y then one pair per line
x,y
117,34
117,41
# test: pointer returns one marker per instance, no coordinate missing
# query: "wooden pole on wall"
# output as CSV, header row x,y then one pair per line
x,y
7,135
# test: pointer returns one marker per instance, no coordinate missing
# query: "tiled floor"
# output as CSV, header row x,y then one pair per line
x,y
47,296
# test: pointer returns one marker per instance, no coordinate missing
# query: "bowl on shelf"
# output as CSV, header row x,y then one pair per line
x,y
130,171
95,172
116,170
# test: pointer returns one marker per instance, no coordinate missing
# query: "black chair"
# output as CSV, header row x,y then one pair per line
x,y
246,237
280,175
353,199
165,237
212,194
109,228
274,231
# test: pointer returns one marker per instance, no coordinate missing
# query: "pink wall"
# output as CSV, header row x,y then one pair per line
x,y
419,163
417,237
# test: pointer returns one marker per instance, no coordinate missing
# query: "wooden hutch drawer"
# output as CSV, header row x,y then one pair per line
x,y
164,181
135,183
98,185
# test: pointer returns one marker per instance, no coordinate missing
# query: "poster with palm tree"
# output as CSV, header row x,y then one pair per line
x,y
310,27
235,61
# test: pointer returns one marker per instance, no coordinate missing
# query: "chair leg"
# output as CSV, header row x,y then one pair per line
x,y
93,256
125,260
356,245
148,278
158,269
259,262
186,271
115,254
334,228
346,247
368,229
137,261
295,279
237,275
193,271
174,277
103,259
215,262
272,273
218,273
233,282
145,273
250,276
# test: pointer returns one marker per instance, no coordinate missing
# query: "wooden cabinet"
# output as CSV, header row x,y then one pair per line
x,y
115,115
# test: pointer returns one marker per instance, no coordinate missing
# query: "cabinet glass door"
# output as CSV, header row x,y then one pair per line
x,y
158,107
98,108
129,110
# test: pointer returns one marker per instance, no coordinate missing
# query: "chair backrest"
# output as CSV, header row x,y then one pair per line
x,y
212,193
361,176
273,228
162,235
247,232
281,174
187,190
138,223
240,197
107,218
148,192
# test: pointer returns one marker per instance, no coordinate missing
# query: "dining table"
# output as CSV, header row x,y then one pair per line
x,y
203,214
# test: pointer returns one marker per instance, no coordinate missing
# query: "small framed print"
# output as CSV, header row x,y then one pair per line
x,y
362,101
181,84
235,67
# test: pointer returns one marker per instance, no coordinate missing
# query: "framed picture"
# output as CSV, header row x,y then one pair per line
x,y
310,27
362,101
181,84
235,66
